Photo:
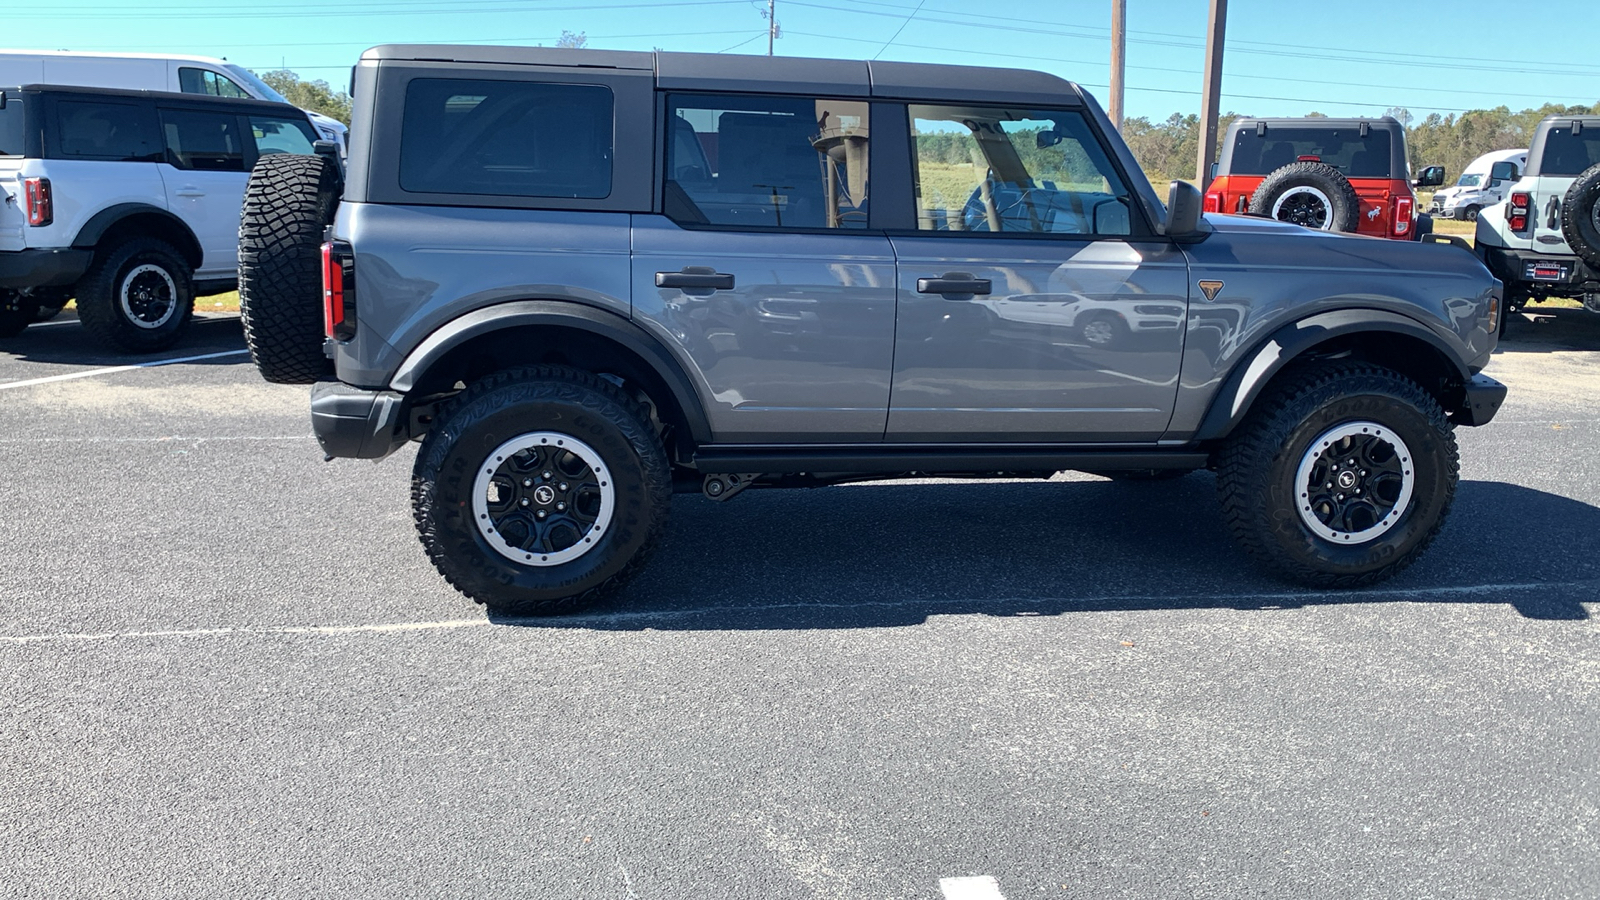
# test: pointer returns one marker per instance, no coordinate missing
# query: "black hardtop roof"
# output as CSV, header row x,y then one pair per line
x,y
165,96
1312,122
1398,166
786,74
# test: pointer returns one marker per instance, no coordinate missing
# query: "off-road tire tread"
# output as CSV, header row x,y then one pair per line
x,y
1577,216
97,298
1338,185
1244,465
287,203
558,383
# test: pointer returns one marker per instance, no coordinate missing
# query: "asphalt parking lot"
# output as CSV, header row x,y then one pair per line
x,y
230,671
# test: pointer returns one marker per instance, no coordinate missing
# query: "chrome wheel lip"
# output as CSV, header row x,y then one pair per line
x,y
1314,452
1301,191
125,296
493,462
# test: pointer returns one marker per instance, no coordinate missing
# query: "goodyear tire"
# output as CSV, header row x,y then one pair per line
x,y
1312,194
137,296
541,490
287,203
1580,216
1341,477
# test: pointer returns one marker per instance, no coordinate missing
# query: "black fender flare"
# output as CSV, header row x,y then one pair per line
x,y
1256,369
93,230
566,314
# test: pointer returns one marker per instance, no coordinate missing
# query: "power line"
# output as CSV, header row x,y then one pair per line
x,y
897,31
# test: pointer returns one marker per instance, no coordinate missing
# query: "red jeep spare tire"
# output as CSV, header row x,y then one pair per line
x,y
1312,194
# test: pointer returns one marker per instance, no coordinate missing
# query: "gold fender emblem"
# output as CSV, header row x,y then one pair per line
x,y
1211,289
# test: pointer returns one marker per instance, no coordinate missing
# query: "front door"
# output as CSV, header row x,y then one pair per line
x,y
762,272
1031,304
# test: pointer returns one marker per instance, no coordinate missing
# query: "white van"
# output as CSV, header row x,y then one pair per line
x,y
149,72
1482,184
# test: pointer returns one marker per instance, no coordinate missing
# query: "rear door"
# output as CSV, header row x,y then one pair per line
x,y
762,269
1033,303
205,171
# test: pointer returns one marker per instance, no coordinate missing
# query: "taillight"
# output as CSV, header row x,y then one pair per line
x,y
41,203
338,291
1517,213
1402,215
1214,202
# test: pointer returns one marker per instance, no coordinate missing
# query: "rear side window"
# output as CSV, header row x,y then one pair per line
x,y
274,134
1343,148
107,132
1566,153
506,138
12,133
767,162
203,141
204,81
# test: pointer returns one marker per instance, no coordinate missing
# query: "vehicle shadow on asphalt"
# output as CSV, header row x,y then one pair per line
x,y
1540,329
887,555
64,342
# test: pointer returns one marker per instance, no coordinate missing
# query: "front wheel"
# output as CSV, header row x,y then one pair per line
x,y
542,489
1341,477
1471,213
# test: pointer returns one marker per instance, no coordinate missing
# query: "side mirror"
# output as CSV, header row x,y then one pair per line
x,y
1502,171
1184,202
1432,176
1047,138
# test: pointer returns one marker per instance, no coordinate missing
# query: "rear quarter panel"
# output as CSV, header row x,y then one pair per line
x,y
82,188
1275,274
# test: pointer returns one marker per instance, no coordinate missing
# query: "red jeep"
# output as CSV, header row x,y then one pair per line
x,y
1329,174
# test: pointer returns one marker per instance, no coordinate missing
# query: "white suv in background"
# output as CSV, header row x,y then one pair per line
x,y
128,201
151,72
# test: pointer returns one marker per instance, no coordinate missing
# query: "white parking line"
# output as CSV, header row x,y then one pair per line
x,y
974,887
112,370
292,629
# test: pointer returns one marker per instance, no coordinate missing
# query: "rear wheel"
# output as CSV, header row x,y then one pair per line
x,y
1312,194
540,490
1341,477
16,311
138,296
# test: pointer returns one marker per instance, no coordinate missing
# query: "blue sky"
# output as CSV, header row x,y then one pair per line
x,y
1284,57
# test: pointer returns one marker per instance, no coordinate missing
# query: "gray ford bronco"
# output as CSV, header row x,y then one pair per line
x,y
585,280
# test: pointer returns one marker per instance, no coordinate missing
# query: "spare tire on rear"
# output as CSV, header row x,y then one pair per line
x,y
288,202
1312,194
1580,216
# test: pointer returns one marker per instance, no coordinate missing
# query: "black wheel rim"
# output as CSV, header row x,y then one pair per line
x,y
543,499
148,296
1303,207
1354,483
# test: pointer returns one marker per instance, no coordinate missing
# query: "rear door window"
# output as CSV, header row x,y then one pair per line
x,y
508,138
205,141
1568,154
1343,148
107,131
275,134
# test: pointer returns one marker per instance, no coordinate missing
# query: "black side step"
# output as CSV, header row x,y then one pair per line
x,y
903,458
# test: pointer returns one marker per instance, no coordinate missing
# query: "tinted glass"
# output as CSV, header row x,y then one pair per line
x,y
1569,154
1343,148
204,81
205,141
279,135
11,130
1008,170
506,137
767,162
105,131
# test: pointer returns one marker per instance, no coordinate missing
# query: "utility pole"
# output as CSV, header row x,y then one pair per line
x,y
1119,59
1211,96
772,24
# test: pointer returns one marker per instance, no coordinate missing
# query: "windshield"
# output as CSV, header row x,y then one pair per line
x,y
1470,179
262,89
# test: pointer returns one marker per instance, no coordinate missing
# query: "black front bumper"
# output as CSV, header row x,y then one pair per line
x,y
1483,398
42,268
356,423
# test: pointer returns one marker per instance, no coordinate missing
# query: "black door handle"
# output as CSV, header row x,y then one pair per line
x,y
955,285
695,278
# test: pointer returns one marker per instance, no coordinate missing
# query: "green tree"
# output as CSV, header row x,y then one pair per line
x,y
316,96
